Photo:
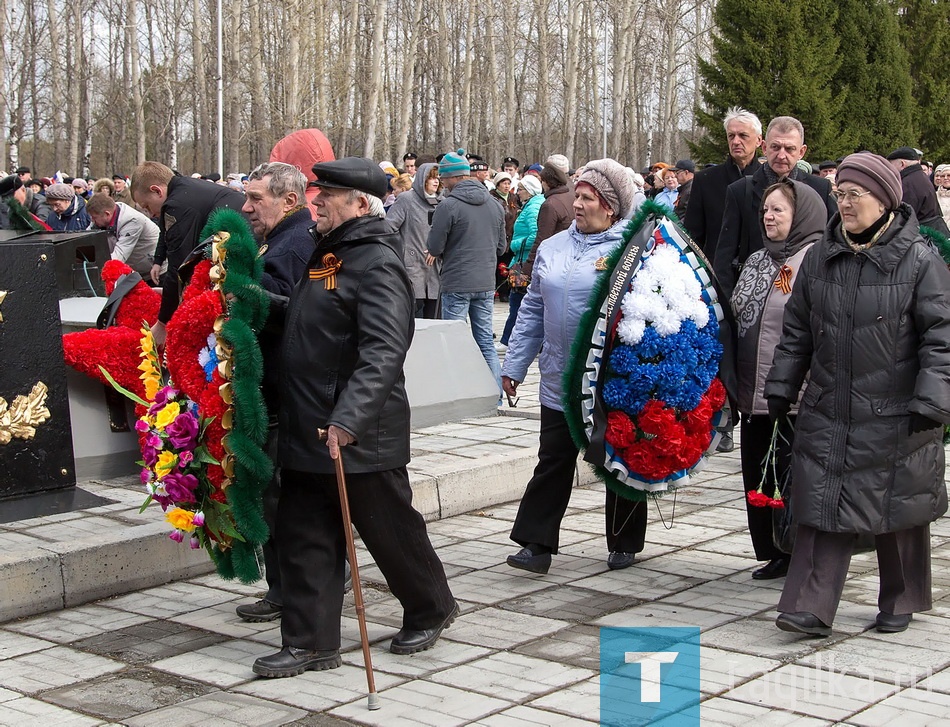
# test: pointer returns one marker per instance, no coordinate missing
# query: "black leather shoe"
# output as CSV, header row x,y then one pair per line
x,y
408,641
775,568
803,623
619,561
726,444
889,623
526,560
291,661
259,612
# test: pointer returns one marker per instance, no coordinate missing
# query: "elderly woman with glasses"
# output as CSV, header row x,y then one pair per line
x,y
868,325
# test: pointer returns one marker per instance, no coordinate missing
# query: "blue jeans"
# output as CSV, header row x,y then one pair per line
x,y
514,303
477,307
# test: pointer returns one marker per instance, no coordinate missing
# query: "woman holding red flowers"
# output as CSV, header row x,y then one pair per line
x,y
793,218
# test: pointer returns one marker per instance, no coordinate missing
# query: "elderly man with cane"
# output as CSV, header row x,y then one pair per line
x,y
347,328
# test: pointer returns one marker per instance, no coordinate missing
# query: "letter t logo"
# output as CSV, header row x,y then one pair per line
x,y
650,670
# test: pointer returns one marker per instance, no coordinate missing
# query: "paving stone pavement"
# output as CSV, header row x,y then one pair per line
x,y
524,650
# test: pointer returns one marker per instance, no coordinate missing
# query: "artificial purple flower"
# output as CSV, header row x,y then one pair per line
x,y
199,519
150,456
154,441
164,395
194,542
179,487
146,475
185,458
183,432
141,425
177,535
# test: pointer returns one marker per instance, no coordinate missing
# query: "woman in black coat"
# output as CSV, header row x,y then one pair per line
x,y
869,323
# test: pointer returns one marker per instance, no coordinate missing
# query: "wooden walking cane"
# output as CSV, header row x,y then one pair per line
x,y
373,699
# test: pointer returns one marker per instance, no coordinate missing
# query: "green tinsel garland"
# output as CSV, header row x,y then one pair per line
x,y
253,469
942,244
577,362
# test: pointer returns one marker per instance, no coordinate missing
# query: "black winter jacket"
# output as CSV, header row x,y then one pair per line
x,y
289,248
920,194
344,345
872,330
707,202
186,210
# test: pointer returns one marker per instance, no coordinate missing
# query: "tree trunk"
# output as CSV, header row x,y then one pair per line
x,y
138,111
406,92
379,23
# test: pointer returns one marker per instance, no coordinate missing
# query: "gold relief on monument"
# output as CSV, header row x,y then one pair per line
x,y
21,418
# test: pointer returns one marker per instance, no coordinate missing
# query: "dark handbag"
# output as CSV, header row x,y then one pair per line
x,y
516,277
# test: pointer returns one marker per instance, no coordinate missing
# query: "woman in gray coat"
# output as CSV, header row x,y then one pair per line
x,y
411,216
869,323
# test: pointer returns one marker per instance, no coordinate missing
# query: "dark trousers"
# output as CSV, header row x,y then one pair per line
x,y
549,491
427,308
514,305
270,499
756,432
820,563
312,551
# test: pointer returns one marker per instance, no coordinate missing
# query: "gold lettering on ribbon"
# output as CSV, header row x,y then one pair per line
x,y
3,294
21,418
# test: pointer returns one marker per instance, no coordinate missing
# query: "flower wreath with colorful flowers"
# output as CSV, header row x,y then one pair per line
x,y
202,433
643,394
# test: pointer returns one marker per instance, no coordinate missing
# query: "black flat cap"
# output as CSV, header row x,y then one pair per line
x,y
118,176
827,164
685,165
352,173
9,185
23,170
905,152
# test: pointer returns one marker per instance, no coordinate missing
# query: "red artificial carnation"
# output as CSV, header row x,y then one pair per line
x,y
116,349
655,418
188,332
199,282
139,306
777,503
620,430
717,394
757,499
211,406
699,419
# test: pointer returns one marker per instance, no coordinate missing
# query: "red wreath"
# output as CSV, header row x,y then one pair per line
x,y
659,442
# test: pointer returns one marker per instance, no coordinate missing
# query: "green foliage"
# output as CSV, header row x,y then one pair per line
x,y
873,81
836,65
774,58
925,34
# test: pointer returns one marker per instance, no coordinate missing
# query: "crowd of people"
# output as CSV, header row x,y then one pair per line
x,y
837,317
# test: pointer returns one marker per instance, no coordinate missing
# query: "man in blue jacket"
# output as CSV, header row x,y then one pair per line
x,y
468,233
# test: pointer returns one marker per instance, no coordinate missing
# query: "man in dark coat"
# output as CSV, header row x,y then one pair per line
x,y
275,205
919,192
181,206
707,199
684,171
741,232
347,328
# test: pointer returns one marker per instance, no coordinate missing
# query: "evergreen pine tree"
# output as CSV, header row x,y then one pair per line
x,y
774,58
925,32
873,82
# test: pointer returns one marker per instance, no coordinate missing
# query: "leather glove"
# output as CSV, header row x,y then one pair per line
x,y
778,408
920,423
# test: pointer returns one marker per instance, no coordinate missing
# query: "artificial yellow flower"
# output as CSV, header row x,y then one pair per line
x,y
152,385
166,462
181,519
167,415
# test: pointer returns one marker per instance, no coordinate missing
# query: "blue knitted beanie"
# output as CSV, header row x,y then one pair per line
x,y
454,164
